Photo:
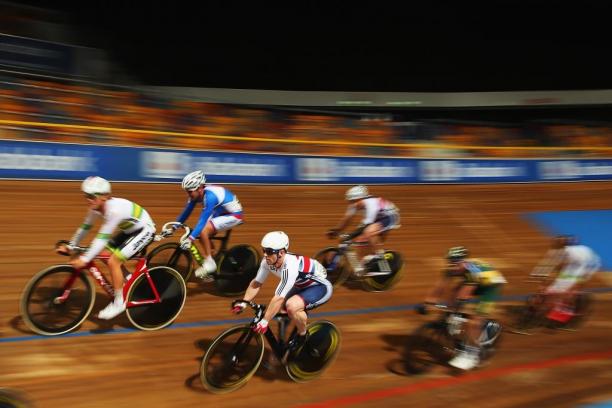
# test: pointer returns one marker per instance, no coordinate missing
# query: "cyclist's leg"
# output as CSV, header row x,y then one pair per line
x,y
214,225
303,301
371,242
130,246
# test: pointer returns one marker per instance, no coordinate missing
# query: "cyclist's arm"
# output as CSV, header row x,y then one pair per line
x,y
357,231
83,229
209,204
257,282
252,290
348,215
465,292
104,234
434,294
186,211
274,307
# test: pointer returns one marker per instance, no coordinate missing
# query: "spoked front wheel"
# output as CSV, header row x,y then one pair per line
x,y
237,268
172,292
232,359
336,264
316,354
379,283
57,300
171,255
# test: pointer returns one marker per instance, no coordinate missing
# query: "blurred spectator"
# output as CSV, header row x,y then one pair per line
x,y
115,114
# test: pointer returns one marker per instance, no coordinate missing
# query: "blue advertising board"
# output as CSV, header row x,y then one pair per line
x,y
41,160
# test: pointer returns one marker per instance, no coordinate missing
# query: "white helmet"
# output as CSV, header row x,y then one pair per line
x,y
193,180
95,185
275,240
357,192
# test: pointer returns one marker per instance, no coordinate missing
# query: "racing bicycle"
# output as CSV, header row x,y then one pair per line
x,y
59,298
381,272
236,266
438,341
234,355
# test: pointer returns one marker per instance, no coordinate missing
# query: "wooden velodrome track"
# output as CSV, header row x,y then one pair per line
x,y
110,366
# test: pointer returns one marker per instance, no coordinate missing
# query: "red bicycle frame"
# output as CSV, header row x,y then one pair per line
x,y
94,271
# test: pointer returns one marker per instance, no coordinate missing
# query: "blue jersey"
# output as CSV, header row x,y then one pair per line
x,y
217,201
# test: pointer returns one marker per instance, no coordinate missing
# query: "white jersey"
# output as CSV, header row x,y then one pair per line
x,y
375,208
296,270
580,262
118,213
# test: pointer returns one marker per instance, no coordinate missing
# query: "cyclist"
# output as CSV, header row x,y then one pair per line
x,y
380,216
575,264
478,280
221,211
302,287
136,231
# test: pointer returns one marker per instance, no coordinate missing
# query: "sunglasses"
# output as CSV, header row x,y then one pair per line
x,y
270,251
91,196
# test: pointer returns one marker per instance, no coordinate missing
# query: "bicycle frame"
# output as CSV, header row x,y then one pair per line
x,y
277,344
197,255
345,249
96,273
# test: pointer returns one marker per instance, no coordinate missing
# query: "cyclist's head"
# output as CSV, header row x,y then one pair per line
x,y
94,186
193,180
457,254
561,241
274,241
357,193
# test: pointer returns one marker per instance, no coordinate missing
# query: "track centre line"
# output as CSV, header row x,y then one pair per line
x,y
208,323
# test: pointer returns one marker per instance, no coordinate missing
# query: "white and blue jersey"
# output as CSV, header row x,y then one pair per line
x,y
376,209
299,275
217,203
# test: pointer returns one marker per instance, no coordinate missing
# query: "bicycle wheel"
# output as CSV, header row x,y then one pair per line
x,y
13,399
338,269
172,291
232,359
430,345
381,283
171,255
316,354
39,308
237,268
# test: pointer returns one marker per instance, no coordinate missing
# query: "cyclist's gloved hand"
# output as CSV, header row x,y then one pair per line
x,y
261,326
421,309
186,243
332,233
238,306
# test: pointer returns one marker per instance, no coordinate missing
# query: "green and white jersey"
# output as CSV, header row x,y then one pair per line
x,y
119,213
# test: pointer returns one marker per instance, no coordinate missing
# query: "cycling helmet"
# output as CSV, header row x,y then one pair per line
x,y
357,192
275,240
95,185
193,180
456,253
